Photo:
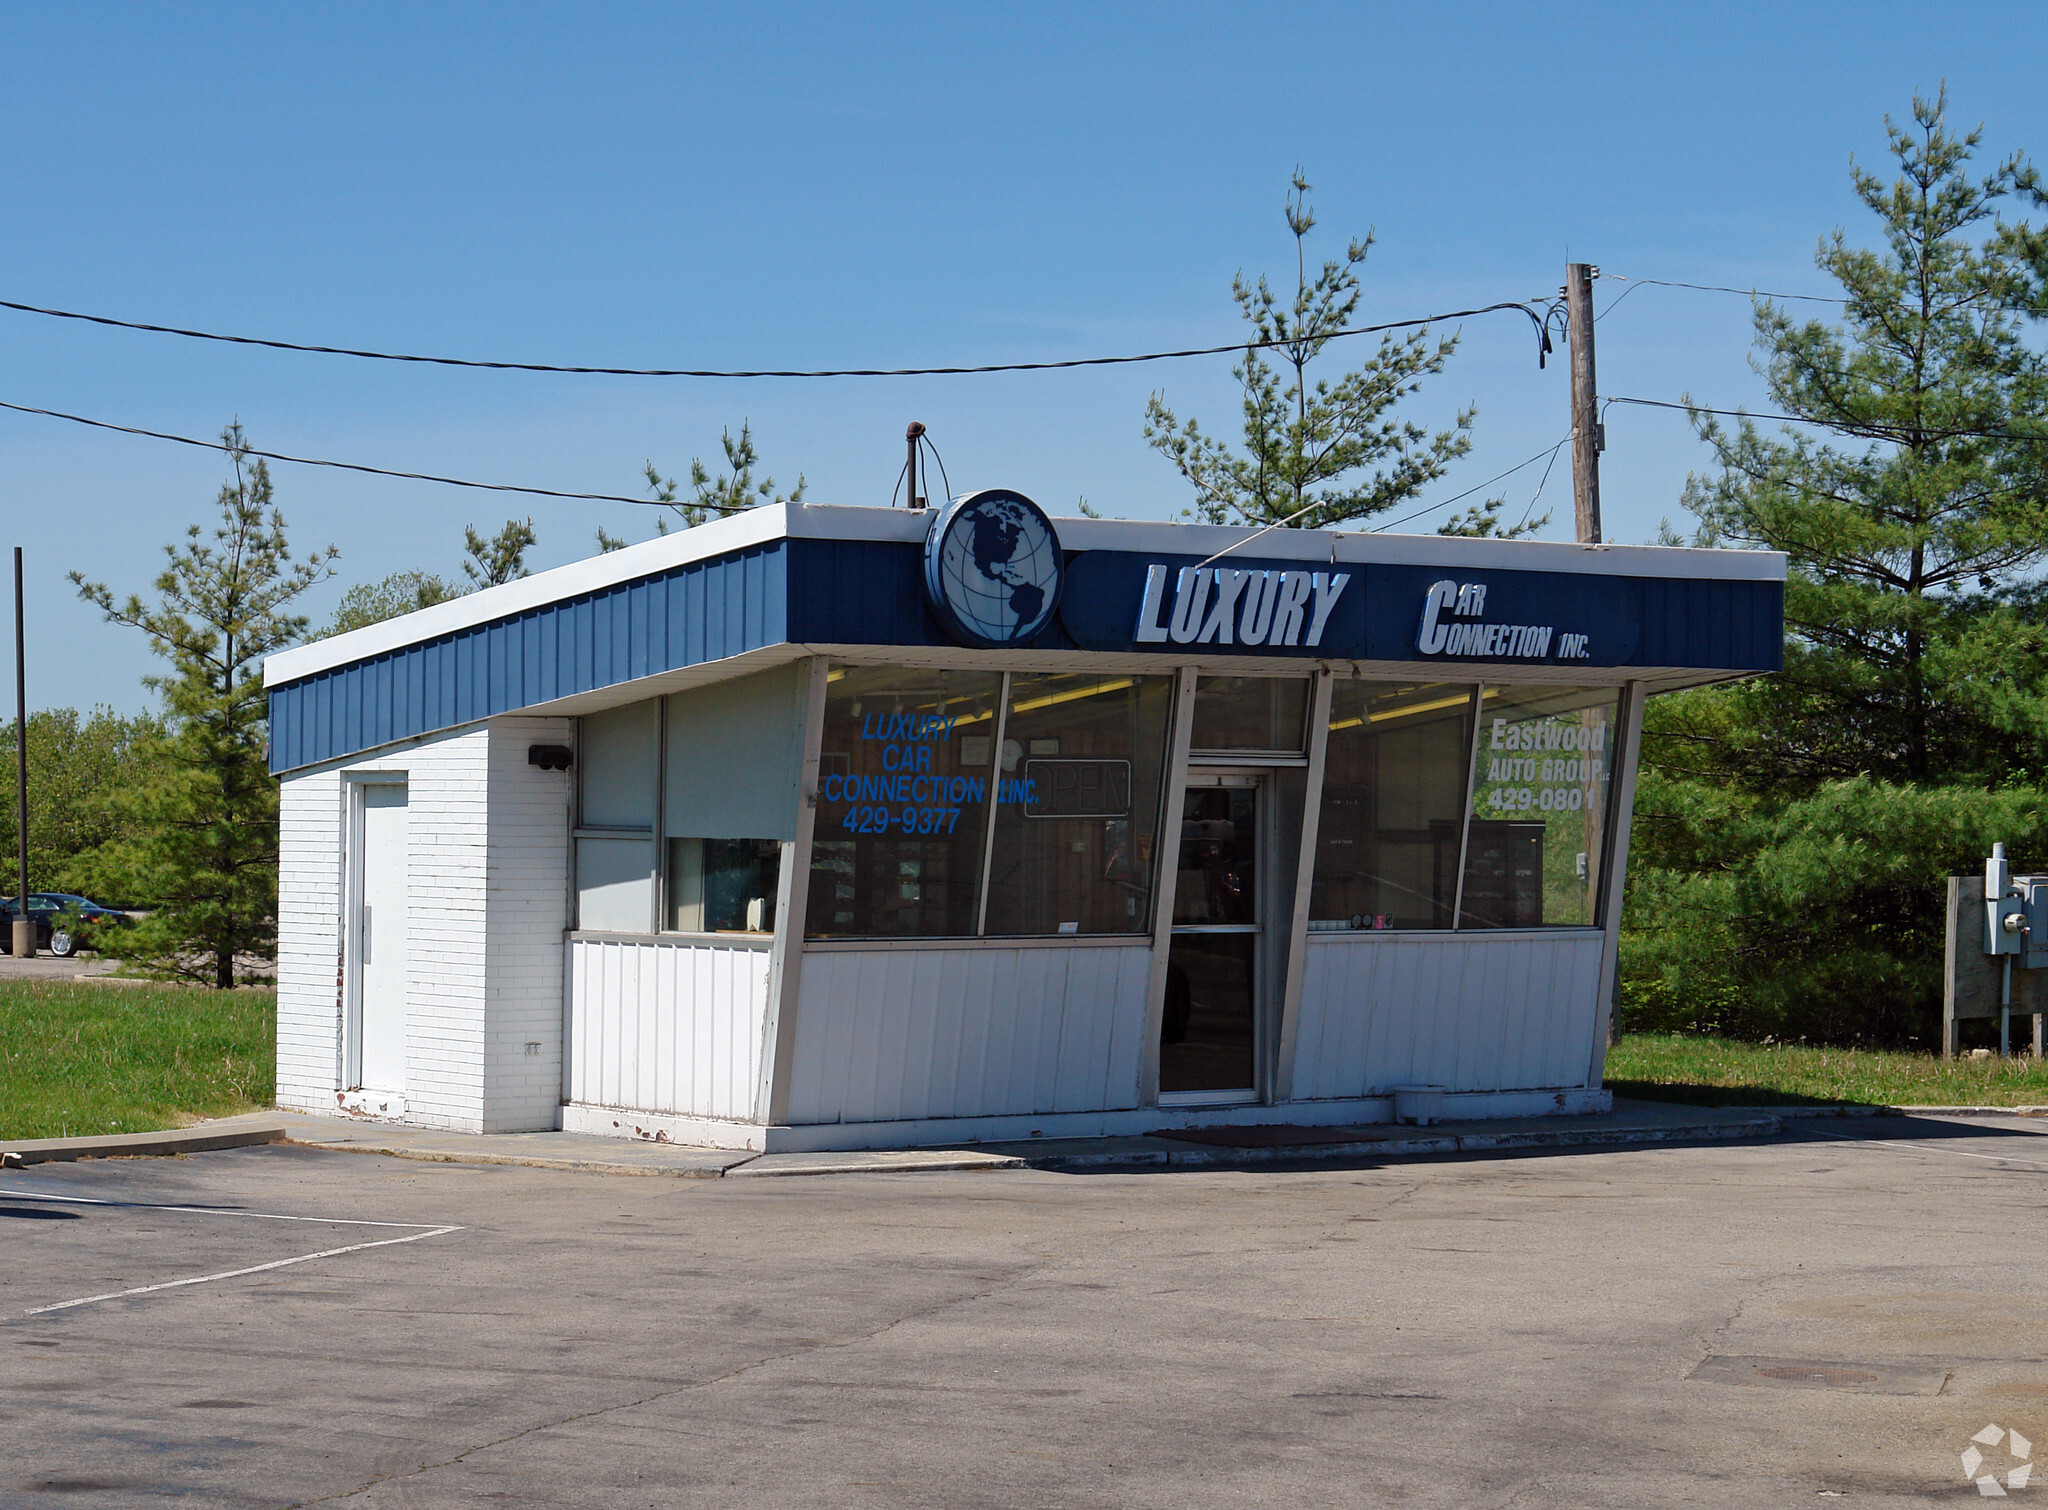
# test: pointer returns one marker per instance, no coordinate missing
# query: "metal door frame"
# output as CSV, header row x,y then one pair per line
x,y
1270,943
356,785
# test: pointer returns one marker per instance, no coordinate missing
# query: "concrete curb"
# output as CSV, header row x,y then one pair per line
x,y
522,1161
1394,1146
879,1161
205,1138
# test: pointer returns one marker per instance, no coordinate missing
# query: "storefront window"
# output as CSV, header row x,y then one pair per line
x,y
1540,782
1393,805
615,860
1246,713
905,775
1077,811
722,885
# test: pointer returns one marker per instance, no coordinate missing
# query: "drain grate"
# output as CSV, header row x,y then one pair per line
x,y
1813,1373
1794,1374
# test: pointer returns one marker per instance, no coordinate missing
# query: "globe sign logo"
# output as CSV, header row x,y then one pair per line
x,y
992,568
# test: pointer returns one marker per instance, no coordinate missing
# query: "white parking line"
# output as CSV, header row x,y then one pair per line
x,y
426,1230
1956,1153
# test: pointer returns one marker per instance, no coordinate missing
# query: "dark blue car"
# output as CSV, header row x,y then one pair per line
x,y
65,923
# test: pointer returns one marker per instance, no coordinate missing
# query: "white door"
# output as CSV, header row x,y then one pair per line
x,y
380,938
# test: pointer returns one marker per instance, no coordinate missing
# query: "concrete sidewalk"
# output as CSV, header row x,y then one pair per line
x,y
1630,1123
225,1132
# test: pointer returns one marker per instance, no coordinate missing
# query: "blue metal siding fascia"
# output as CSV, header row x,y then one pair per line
x,y
705,611
1712,624
871,592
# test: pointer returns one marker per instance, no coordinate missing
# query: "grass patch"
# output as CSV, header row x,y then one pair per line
x,y
78,1060
1725,1072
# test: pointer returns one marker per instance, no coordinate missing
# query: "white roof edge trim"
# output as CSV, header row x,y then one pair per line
x,y
770,522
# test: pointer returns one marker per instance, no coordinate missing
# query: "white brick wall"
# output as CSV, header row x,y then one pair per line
x,y
488,888
528,895
308,941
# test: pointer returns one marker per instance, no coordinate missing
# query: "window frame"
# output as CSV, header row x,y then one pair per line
x,y
1599,886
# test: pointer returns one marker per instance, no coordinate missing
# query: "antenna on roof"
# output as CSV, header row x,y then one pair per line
x,y
911,437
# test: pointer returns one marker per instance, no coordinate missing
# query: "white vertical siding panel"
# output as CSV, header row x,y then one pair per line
x,y
807,1060
843,999
1086,1037
999,969
666,1027
948,1027
932,1032
977,1034
1468,1011
1019,1082
1126,1010
917,1073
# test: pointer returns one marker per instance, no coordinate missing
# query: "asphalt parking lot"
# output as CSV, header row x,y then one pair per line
x,y
1828,1316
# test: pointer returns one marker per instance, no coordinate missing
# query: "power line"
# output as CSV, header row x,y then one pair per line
x,y
1874,427
1718,288
837,372
350,466
1455,497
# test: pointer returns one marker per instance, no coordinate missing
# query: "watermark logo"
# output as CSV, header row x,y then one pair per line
x,y
1980,1469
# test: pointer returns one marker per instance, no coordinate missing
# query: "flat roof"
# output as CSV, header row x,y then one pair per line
x,y
819,521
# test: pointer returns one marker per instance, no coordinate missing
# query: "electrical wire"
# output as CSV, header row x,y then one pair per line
x,y
1718,288
926,441
351,466
1872,427
1541,483
1456,497
838,372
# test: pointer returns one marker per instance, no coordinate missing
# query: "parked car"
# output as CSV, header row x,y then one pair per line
x,y
65,923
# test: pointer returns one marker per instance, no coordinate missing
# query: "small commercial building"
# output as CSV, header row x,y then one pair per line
x,y
829,827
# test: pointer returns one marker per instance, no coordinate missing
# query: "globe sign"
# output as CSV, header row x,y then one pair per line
x,y
992,568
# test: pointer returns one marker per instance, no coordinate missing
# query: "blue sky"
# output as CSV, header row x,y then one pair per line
x,y
870,185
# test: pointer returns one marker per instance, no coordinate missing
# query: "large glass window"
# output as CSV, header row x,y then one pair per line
x,y
1256,713
1403,809
1393,805
1077,812
905,774
1540,781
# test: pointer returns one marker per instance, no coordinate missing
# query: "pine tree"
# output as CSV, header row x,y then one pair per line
x,y
501,558
203,851
714,495
1793,833
1911,504
1305,441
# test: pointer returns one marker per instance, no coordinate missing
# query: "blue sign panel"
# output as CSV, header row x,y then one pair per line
x,y
992,569
1122,601
1428,613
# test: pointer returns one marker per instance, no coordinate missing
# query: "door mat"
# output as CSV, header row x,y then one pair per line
x,y
1275,1137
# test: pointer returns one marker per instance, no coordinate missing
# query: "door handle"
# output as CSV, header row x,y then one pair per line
x,y
366,933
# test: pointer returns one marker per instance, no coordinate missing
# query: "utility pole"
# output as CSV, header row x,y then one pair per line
x,y
911,437
24,939
1587,440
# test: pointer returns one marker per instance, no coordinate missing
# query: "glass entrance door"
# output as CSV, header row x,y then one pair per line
x,y
1209,1031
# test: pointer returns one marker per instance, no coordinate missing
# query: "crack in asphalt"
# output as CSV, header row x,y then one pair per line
x,y
1010,1282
